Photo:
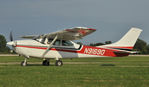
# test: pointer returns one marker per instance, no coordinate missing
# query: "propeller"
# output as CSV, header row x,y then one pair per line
x,y
12,42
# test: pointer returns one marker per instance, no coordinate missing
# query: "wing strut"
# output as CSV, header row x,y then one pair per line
x,y
50,45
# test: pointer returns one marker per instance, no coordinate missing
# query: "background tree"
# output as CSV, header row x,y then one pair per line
x,y
141,46
80,43
148,49
99,44
3,47
108,42
96,44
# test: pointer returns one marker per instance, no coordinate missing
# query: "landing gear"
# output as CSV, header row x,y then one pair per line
x,y
24,63
46,63
58,63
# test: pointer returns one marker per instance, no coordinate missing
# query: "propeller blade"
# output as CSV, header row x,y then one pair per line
x,y
11,37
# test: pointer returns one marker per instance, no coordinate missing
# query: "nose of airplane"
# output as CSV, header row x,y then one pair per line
x,y
11,43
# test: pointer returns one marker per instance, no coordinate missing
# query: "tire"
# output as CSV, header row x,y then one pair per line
x,y
45,63
58,63
23,63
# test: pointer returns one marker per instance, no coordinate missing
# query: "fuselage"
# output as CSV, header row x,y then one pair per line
x,y
33,48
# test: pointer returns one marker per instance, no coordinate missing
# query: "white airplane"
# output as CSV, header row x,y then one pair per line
x,y
60,45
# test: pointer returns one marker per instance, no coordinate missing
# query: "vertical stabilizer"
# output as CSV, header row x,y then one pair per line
x,y
128,40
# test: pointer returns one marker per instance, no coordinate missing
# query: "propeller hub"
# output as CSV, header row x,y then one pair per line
x,y
12,43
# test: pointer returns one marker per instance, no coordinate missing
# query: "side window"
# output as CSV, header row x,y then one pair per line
x,y
57,42
66,43
60,42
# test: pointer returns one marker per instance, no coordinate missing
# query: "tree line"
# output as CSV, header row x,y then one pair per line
x,y
140,45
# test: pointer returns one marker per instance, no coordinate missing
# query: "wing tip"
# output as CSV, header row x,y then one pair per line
x,y
91,29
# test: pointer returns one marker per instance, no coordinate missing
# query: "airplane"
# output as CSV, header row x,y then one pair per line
x,y
58,45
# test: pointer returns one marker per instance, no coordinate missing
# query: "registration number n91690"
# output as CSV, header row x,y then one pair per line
x,y
93,51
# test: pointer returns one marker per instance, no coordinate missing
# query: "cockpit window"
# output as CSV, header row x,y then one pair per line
x,y
66,43
60,42
57,42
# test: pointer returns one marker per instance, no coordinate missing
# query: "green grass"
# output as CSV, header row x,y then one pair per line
x,y
97,72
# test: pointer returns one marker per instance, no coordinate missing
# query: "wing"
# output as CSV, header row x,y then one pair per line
x,y
67,34
29,36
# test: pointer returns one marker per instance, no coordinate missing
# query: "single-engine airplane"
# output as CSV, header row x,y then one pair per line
x,y
60,45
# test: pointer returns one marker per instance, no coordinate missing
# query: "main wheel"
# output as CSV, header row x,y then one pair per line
x,y
58,63
23,63
45,63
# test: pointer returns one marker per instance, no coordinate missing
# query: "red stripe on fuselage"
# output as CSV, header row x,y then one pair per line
x,y
84,50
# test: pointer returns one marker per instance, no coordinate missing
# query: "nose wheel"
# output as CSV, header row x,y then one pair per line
x,y
24,63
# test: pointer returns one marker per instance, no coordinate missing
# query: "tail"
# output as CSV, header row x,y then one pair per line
x,y
128,40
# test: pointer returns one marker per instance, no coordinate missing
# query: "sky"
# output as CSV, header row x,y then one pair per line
x,y
111,18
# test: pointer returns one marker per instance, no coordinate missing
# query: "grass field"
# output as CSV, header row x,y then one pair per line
x,y
89,72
